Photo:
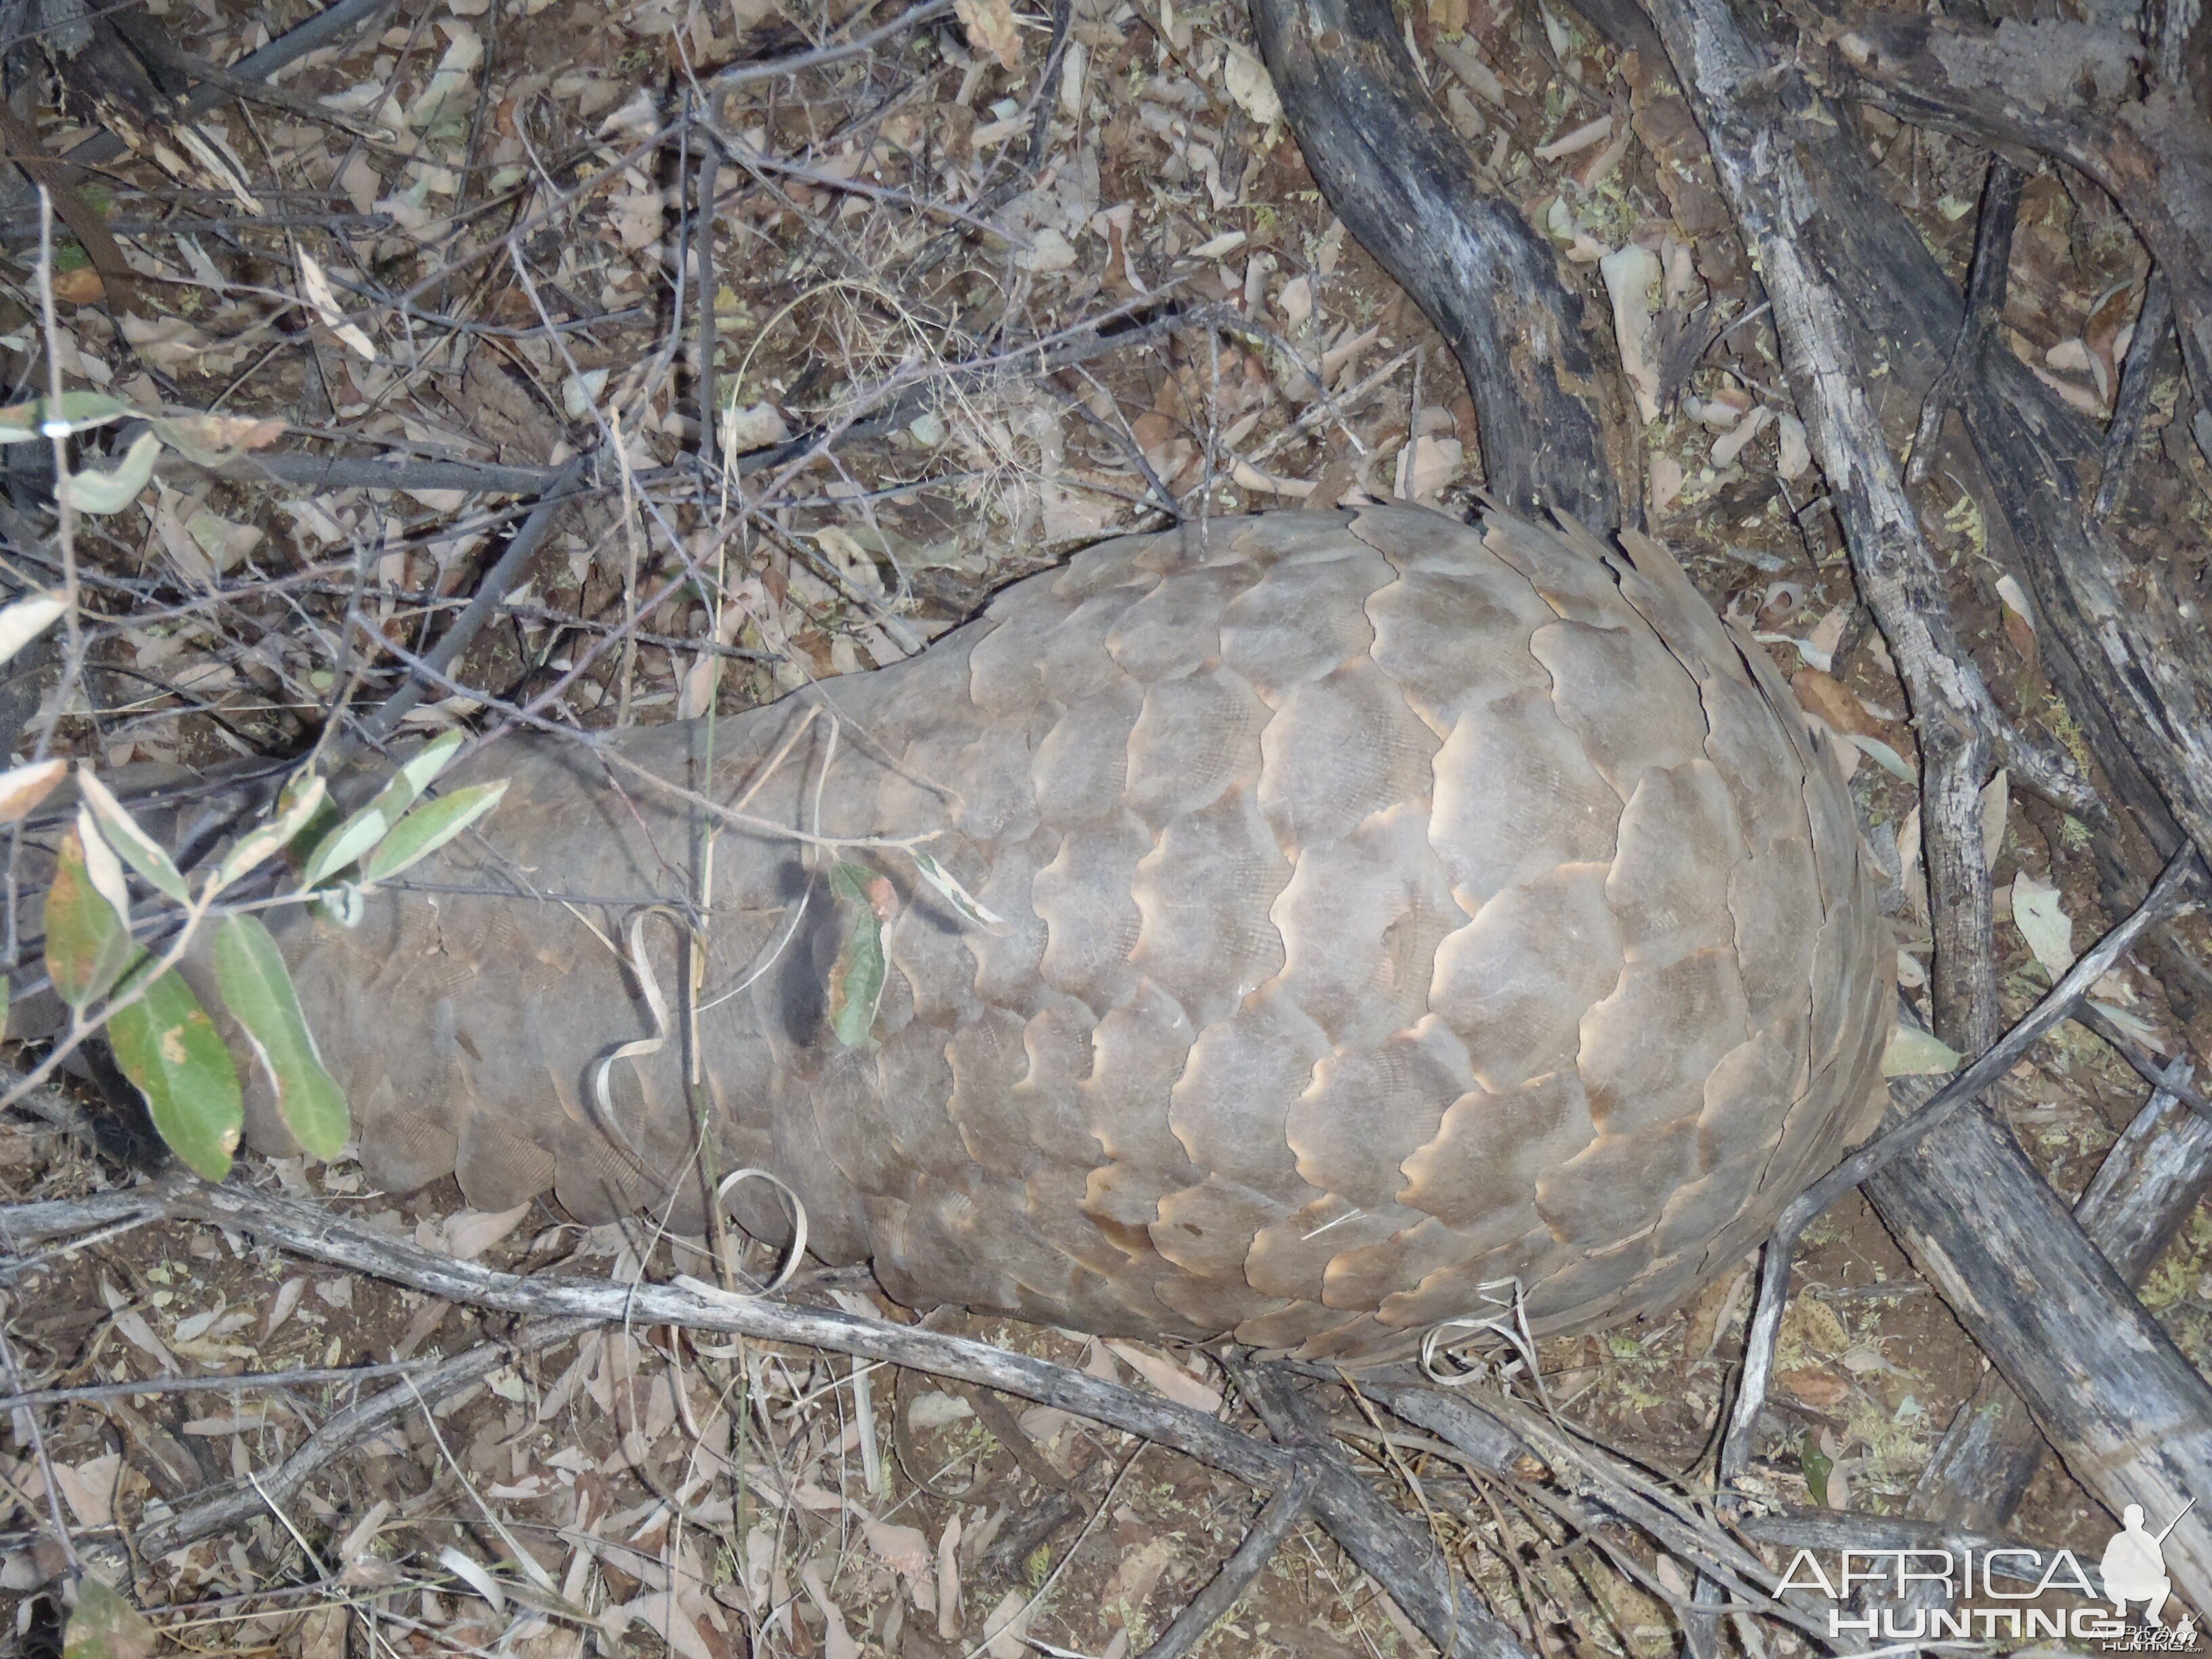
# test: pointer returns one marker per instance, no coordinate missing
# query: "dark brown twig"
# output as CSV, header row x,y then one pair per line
x,y
521,547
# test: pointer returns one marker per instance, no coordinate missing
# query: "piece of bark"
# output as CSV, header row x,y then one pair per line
x,y
1403,183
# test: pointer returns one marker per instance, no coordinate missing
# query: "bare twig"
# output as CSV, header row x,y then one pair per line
x,y
2153,329
1219,1599
1986,297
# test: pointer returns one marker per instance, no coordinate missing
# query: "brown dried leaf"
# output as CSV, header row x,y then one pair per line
x,y
991,28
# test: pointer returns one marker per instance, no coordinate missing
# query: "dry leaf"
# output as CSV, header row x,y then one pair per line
x,y
1730,446
1006,1626
1245,78
81,287
1997,801
992,30
948,1581
2040,915
1170,1378
1797,455
837,1641
315,288
1832,701
1815,1385
1632,276
755,427
282,1306
23,788
469,1233
1436,464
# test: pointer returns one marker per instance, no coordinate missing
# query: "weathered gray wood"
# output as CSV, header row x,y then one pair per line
x,y
1403,183
2070,91
2150,1181
2125,1410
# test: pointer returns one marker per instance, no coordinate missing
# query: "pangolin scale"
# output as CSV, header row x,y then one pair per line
x,y
1395,912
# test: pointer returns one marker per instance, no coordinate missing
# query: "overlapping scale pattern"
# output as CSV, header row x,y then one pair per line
x,y
1395,909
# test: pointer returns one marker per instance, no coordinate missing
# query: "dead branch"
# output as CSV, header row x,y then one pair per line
x,y
2154,328
346,1428
1985,296
2063,89
2151,1179
496,583
1219,1599
1403,182
1943,1109
1382,1541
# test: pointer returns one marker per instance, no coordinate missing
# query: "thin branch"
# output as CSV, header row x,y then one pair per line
x,y
1219,1599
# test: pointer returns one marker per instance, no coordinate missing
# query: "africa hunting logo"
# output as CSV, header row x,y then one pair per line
x,y
2131,1573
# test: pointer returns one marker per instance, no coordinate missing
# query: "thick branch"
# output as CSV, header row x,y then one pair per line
x,y
2059,87
2149,1183
1403,184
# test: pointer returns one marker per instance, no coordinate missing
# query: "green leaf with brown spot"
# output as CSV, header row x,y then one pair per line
x,y
169,1049
258,989
88,944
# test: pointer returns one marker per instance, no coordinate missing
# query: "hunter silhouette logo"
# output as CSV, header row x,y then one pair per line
x,y
2134,1566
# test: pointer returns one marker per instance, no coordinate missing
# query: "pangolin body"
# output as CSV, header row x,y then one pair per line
x,y
1395,912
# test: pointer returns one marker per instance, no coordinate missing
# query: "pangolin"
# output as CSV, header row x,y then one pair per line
x,y
1391,918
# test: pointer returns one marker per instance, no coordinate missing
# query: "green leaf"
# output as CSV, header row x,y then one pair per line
x,y
25,620
301,800
429,827
958,897
421,769
353,839
344,845
1913,1053
77,411
258,989
168,1046
94,491
140,851
856,983
1817,1466
89,945
103,1625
